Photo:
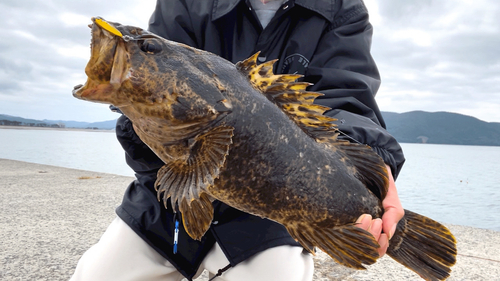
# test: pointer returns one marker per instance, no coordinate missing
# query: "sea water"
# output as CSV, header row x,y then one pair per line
x,y
97,151
454,184
449,183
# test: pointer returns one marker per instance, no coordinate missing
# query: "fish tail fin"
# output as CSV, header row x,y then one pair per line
x,y
423,245
349,245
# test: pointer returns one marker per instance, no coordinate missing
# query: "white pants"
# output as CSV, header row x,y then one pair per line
x,y
122,255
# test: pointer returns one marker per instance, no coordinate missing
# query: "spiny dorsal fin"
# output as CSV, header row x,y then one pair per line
x,y
291,97
261,76
298,103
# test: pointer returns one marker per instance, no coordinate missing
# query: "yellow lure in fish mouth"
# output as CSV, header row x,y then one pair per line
x,y
108,27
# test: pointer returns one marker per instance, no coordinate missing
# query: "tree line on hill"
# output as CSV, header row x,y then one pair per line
x,y
25,124
8,120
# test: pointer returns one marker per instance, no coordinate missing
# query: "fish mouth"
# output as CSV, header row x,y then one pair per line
x,y
105,68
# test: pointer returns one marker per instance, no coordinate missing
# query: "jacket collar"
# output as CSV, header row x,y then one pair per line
x,y
323,7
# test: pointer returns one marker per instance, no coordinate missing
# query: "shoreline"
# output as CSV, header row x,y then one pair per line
x,y
57,129
113,130
52,215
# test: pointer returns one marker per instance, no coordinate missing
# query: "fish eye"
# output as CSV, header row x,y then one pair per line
x,y
150,46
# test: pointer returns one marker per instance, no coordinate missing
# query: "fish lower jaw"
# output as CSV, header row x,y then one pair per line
x,y
98,92
76,91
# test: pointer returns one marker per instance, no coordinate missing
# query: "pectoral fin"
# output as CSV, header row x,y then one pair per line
x,y
185,182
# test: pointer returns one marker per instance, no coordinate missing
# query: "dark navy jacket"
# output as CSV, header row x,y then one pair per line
x,y
328,41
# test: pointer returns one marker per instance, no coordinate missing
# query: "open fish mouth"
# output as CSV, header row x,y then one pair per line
x,y
103,76
107,68
96,42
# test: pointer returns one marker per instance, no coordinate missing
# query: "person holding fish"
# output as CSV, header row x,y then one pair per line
x,y
325,41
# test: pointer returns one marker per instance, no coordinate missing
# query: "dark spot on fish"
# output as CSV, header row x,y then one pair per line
x,y
281,79
263,71
136,31
303,109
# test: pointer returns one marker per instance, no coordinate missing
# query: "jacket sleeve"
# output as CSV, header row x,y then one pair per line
x,y
137,154
345,72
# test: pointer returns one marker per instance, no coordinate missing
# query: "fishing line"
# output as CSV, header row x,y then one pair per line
x,y
479,258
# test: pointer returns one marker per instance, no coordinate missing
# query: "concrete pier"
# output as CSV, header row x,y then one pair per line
x,y
51,215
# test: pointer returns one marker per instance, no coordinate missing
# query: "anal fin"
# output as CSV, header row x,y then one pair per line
x,y
348,245
197,216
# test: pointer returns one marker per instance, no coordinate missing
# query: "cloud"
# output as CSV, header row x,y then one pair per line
x,y
432,55
45,51
438,56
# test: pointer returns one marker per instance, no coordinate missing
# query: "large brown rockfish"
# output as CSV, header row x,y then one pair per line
x,y
255,141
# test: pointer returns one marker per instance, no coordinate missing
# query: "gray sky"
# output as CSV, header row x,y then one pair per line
x,y
433,55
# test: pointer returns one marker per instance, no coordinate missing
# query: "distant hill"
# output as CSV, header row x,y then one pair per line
x,y
19,121
441,128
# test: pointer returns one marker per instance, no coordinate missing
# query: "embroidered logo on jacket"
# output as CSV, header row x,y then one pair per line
x,y
295,64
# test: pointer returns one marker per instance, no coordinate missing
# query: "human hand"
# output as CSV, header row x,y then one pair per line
x,y
393,212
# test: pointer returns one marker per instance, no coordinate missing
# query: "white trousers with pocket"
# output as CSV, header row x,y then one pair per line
x,y
122,255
